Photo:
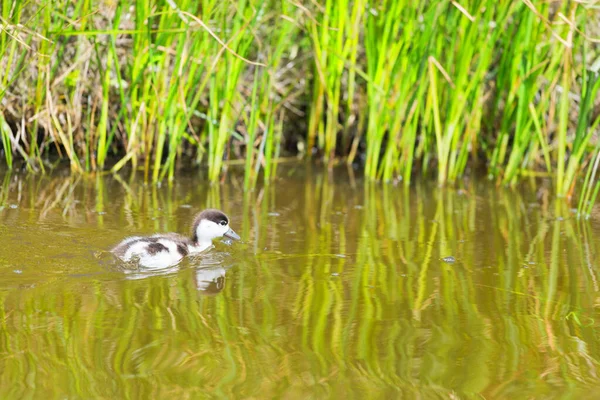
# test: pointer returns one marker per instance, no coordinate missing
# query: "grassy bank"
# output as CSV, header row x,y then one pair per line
x,y
428,86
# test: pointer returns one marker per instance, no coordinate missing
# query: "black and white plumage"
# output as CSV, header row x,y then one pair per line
x,y
166,249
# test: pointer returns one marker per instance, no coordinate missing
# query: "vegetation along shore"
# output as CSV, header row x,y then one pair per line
x,y
398,86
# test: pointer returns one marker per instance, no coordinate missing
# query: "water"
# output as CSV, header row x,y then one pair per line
x,y
341,289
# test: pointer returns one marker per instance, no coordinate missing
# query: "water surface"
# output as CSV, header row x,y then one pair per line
x,y
341,289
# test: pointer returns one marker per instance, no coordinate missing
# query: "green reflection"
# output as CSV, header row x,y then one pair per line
x,y
339,289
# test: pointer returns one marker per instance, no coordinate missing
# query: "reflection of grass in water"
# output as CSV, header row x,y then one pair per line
x,y
395,318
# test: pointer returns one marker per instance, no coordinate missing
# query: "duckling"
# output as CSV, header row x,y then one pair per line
x,y
167,249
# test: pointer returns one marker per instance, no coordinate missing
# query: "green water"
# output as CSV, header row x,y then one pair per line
x,y
337,291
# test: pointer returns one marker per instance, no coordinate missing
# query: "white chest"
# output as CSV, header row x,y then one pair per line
x,y
199,247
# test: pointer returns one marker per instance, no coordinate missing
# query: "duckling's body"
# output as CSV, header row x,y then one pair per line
x,y
166,249
156,250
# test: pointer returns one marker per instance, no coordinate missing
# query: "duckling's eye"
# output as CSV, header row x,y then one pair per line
x,y
223,222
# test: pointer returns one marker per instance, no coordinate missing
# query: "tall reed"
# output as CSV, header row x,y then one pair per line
x,y
408,87
334,33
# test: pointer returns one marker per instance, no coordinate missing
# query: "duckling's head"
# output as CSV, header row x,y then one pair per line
x,y
211,224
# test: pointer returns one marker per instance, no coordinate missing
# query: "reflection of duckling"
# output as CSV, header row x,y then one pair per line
x,y
210,281
163,250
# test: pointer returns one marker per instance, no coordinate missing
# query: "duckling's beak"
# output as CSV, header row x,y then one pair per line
x,y
232,235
